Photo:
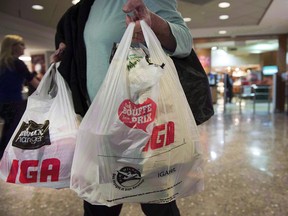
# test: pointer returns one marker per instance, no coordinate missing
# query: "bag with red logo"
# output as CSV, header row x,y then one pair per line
x,y
138,142
40,151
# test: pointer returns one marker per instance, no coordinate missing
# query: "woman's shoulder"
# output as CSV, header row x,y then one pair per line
x,y
19,62
20,66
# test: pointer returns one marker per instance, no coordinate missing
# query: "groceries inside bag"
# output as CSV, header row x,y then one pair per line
x,y
41,149
138,142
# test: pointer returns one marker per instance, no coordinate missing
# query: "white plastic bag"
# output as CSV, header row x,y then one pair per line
x,y
41,149
138,142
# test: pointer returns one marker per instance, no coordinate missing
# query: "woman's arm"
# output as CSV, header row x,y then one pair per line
x,y
162,29
34,82
23,69
166,22
60,39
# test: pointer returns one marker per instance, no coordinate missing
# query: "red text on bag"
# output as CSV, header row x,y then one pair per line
x,y
30,170
162,135
137,116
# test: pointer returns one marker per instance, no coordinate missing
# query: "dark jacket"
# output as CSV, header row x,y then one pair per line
x,y
70,30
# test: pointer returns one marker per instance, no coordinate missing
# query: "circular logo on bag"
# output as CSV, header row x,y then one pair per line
x,y
127,178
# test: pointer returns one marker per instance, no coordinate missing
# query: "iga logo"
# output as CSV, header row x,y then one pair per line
x,y
137,115
32,135
162,135
127,178
32,171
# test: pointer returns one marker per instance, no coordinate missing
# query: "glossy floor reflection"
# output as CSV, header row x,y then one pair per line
x,y
246,172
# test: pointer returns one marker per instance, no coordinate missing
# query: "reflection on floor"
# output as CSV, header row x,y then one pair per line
x,y
246,172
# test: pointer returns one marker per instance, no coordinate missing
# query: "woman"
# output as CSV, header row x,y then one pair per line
x,y
13,73
85,37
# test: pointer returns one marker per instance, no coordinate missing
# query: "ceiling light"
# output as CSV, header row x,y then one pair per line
x,y
75,1
255,51
187,19
223,17
37,7
222,32
224,4
214,48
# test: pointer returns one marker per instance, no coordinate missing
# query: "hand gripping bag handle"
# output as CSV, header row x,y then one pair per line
x,y
154,46
53,87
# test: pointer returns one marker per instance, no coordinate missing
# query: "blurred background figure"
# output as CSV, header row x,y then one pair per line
x,y
228,88
13,74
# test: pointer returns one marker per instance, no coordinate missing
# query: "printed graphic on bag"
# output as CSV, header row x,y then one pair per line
x,y
137,116
162,135
32,135
127,178
133,60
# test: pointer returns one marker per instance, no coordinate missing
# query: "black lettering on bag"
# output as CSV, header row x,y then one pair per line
x,y
32,135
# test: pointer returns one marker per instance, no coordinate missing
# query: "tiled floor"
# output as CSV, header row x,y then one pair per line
x,y
246,172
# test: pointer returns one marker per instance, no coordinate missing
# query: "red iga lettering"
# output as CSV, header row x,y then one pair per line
x,y
170,133
50,167
29,171
162,135
28,176
13,171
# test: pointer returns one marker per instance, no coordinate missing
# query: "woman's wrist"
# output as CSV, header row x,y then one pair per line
x,y
163,32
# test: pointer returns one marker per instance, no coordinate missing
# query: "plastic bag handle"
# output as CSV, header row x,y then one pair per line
x,y
45,83
154,46
63,97
124,45
157,54
155,49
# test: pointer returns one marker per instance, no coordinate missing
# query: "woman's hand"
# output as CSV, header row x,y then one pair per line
x,y
57,55
139,12
160,26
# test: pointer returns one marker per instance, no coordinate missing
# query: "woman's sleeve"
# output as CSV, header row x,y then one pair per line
x,y
61,27
23,69
168,11
59,36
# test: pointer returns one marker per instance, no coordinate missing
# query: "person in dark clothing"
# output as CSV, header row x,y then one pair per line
x,y
228,88
13,73
84,40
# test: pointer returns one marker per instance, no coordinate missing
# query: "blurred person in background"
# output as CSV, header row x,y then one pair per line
x,y
228,81
13,74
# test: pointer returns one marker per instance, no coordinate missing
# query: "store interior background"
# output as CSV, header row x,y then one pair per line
x,y
255,36
246,171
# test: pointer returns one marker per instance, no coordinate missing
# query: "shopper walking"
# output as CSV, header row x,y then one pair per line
x,y
84,40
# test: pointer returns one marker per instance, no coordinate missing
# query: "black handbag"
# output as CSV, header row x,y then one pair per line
x,y
196,87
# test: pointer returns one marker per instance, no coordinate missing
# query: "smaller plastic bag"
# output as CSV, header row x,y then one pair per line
x,y
40,151
143,75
